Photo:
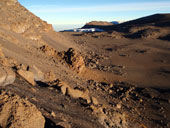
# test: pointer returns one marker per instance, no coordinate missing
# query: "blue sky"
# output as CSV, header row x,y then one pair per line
x,y
78,12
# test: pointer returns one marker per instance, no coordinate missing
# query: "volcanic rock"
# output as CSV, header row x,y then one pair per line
x,y
7,76
48,50
27,75
18,113
74,60
74,93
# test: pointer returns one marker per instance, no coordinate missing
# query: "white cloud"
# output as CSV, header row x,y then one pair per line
x,y
145,6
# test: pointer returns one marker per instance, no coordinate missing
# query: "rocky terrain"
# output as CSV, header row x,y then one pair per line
x,y
113,79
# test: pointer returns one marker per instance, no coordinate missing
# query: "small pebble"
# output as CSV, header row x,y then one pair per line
x,y
141,100
119,106
53,114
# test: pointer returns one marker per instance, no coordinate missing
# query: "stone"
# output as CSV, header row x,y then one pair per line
x,y
74,93
19,113
7,76
64,90
53,114
119,106
27,75
38,74
48,50
94,101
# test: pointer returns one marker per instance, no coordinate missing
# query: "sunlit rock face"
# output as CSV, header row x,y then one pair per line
x,y
18,19
9,1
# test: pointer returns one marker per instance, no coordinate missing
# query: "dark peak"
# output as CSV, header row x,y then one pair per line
x,y
161,14
150,20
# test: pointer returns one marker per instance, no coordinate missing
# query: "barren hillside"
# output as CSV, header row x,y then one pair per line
x,y
82,80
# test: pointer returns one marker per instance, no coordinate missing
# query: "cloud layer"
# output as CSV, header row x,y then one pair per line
x,y
145,6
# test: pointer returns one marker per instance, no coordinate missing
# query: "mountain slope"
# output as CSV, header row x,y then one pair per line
x,y
162,20
150,27
16,18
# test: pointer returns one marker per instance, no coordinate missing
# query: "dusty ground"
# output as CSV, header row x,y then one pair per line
x,y
141,62
129,77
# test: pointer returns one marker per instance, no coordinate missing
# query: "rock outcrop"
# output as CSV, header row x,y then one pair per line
x,y
48,50
73,59
18,113
7,76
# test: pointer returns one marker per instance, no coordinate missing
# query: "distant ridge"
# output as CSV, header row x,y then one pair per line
x,y
97,24
155,26
158,20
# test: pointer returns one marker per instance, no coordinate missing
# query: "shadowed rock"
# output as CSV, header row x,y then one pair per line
x,y
74,60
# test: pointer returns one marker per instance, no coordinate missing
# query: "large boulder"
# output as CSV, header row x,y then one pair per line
x,y
34,72
18,113
30,73
7,76
27,75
